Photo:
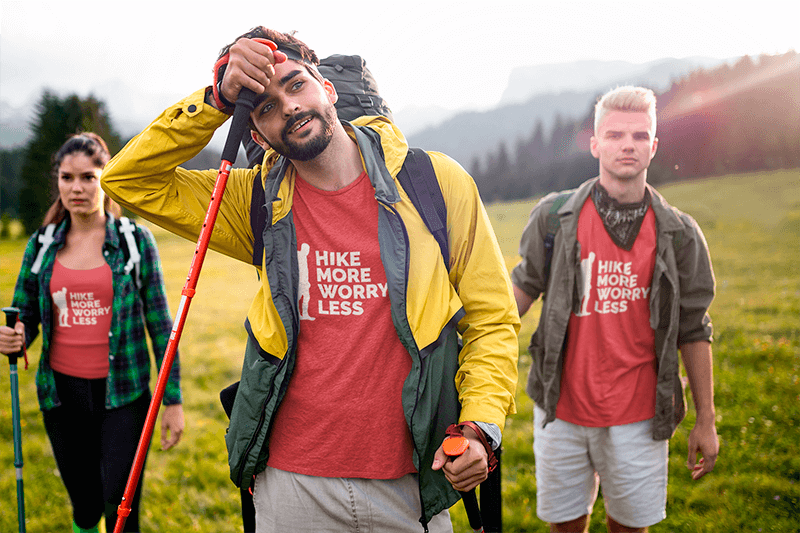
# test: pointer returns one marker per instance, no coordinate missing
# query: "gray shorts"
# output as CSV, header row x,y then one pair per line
x,y
286,501
572,460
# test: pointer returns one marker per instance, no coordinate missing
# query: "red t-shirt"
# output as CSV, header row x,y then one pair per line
x,y
609,372
342,415
81,320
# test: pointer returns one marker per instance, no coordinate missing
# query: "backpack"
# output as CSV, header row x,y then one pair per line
x,y
126,230
358,96
356,87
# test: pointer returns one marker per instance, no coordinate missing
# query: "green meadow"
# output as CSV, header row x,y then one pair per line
x,y
752,224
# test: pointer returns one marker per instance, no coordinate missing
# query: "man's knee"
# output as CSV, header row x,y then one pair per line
x,y
616,527
579,525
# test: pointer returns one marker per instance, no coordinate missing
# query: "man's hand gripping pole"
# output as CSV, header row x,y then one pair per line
x,y
453,446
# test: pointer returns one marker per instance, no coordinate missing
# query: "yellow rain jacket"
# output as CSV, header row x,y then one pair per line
x,y
431,306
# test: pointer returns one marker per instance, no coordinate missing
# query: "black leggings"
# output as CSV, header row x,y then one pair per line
x,y
94,449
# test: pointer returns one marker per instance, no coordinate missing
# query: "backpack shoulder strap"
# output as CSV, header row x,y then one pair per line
x,y
126,228
419,181
261,206
677,242
258,219
553,225
45,240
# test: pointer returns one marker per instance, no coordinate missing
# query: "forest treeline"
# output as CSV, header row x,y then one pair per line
x,y
27,188
738,117
734,118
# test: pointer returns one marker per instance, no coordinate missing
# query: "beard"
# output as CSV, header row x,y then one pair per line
x,y
311,148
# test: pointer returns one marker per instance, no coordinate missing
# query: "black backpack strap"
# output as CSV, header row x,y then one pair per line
x,y
258,219
261,206
553,225
418,179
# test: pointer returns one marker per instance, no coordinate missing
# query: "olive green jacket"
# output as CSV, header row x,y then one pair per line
x,y
681,293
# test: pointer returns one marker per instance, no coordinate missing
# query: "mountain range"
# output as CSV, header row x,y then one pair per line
x,y
543,94
534,93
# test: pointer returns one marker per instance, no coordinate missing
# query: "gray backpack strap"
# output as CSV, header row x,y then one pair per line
x,y
553,225
128,229
45,240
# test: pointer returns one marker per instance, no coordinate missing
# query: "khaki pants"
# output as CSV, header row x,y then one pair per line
x,y
285,501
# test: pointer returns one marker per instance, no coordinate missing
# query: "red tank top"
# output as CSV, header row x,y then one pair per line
x,y
342,415
81,320
609,372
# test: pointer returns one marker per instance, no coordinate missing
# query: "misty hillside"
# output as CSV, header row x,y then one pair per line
x,y
468,135
658,75
733,118
542,94
737,117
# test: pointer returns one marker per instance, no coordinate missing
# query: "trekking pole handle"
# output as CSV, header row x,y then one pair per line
x,y
453,447
245,104
12,315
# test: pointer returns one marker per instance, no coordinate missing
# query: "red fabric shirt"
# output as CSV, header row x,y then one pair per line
x,y
82,319
342,415
609,372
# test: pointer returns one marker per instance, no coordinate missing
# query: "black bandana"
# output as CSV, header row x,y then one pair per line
x,y
622,221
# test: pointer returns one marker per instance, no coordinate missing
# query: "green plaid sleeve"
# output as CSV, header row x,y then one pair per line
x,y
156,311
26,292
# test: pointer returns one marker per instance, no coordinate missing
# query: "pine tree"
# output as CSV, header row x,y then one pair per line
x,y
10,166
55,120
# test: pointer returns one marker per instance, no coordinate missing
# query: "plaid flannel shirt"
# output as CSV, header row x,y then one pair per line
x,y
128,354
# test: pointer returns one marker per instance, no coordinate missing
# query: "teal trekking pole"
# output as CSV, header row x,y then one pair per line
x,y
12,313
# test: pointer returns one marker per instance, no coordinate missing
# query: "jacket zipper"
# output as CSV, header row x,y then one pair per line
x,y
262,418
260,425
253,439
423,519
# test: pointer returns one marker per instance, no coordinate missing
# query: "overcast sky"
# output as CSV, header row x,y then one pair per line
x,y
142,56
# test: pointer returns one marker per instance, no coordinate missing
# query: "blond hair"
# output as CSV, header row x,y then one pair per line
x,y
627,98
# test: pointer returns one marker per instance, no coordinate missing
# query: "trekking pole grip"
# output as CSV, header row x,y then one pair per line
x,y
12,315
453,446
245,104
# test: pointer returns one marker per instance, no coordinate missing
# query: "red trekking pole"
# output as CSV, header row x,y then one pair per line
x,y
244,105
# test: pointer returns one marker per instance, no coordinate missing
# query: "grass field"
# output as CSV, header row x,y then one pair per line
x,y
752,224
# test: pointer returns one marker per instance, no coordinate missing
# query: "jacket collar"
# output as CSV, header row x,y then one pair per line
x,y
60,233
667,221
369,144
383,151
